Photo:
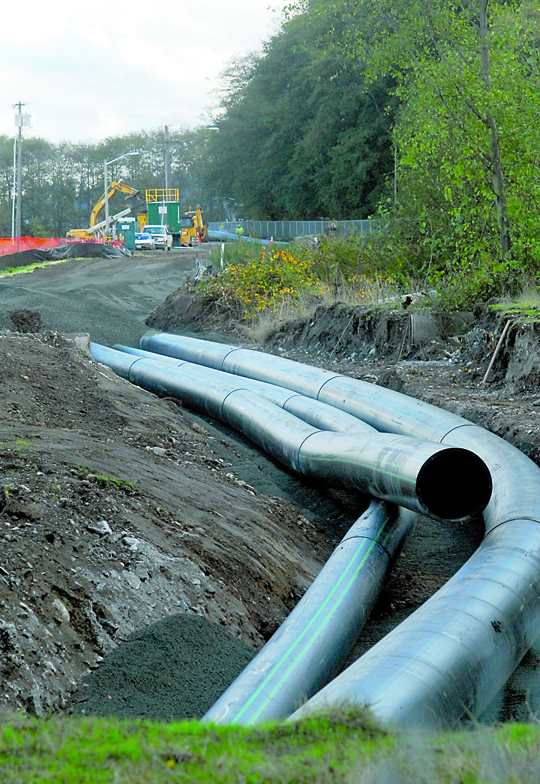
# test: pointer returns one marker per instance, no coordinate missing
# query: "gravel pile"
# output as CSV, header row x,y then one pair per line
x,y
173,670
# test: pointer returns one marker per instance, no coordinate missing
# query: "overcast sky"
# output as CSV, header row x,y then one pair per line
x,y
110,67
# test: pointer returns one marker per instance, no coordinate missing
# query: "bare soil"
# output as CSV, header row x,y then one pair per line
x,y
148,553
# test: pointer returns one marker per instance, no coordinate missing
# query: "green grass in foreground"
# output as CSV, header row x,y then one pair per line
x,y
346,748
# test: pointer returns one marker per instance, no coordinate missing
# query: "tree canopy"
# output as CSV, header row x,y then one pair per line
x,y
301,133
61,183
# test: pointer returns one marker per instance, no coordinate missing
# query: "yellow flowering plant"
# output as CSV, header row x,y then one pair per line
x,y
263,284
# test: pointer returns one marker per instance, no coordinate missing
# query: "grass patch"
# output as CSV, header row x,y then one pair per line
x,y
346,747
95,751
37,265
122,484
527,303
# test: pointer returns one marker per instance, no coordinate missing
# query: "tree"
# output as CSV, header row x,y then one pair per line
x,y
301,134
441,55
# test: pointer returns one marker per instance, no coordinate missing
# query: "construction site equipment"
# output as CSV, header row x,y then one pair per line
x,y
192,228
163,208
96,229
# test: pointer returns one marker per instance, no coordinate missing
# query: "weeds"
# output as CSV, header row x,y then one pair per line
x,y
345,747
265,286
122,484
268,285
264,283
507,755
526,303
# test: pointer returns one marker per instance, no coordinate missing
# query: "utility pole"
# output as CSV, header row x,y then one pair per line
x,y
14,189
21,120
167,160
106,188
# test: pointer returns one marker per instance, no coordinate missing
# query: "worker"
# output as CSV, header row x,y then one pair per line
x,y
239,232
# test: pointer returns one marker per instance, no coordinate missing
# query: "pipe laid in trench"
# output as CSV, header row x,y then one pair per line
x,y
320,415
449,658
313,643
445,483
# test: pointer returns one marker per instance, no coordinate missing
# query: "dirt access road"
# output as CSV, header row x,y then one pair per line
x,y
148,552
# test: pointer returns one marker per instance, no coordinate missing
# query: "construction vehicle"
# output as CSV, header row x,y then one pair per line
x,y
97,229
164,209
192,228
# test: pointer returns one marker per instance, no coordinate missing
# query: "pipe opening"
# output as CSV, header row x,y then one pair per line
x,y
454,484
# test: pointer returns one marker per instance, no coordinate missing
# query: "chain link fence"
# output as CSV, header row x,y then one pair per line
x,y
288,230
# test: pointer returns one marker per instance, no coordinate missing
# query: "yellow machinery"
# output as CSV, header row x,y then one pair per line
x,y
163,208
96,229
192,228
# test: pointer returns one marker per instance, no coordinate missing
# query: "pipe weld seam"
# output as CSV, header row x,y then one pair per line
x,y
138,359
339,375
458,427
225,358
520,519
367,539
302,444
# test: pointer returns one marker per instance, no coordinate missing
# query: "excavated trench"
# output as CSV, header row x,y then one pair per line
x,y
442,361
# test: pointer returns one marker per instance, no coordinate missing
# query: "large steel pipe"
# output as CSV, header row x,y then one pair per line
x,y
452,655
313,643
311,646
383,409
320,415
446,483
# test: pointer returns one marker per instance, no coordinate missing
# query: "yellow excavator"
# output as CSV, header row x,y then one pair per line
x,y
192,228
96,229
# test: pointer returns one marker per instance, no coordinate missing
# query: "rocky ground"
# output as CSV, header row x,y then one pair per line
x,y
148,553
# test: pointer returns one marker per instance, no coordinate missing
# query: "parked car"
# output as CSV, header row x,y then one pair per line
x,y
161,235
144,241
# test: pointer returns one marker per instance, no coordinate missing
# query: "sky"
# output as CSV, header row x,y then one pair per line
x,y
111,67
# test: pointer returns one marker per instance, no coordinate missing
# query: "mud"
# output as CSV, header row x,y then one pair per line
x,y
147,552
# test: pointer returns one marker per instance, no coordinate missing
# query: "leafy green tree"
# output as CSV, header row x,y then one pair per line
x,y
458,68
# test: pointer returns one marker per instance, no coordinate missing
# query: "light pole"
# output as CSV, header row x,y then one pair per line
x,y
106,182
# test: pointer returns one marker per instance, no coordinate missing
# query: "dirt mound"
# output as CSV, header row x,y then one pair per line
x,y
118,510
86,250
173,670
182,312
25,320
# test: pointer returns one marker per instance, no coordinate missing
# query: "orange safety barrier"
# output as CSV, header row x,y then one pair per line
x,y
7,245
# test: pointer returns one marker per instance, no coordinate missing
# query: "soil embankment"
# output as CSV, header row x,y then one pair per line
x,y
148,552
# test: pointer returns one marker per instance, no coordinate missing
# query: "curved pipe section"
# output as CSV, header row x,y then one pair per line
x,y
383,409
449,658
313,643
446,483
320,415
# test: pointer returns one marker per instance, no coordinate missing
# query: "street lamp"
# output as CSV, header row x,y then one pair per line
x,y
106,191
